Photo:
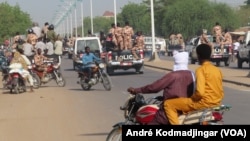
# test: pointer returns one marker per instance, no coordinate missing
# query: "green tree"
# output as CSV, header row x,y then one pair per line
x,y
190,16
247,2
138,16
15,20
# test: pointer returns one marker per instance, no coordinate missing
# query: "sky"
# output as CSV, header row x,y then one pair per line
x,y
42,11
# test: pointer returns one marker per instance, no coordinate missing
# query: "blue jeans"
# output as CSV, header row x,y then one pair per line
x,y
87,70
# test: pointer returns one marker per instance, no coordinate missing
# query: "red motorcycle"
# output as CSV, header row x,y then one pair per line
x,y
53,73
138,111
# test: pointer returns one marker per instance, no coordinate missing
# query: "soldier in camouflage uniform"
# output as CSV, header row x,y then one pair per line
x,y
128,32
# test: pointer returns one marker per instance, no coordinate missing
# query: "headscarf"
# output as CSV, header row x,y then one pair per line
x,y
180,61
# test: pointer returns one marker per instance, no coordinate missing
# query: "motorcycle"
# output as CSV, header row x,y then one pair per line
x,y
14,79
138,111
98,75
53,73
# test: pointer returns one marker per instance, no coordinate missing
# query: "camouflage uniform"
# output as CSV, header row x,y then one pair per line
x,y
119,37
128,32
139,45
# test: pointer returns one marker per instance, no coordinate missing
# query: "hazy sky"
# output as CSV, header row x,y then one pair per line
x,y
43,11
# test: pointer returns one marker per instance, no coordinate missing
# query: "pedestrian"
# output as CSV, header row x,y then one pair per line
x,y
58,46
51,34
49,49
128,32
28,50
45,30
40,44
209,88
37,30
178,83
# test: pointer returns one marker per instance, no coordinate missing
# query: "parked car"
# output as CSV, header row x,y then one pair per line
x,y
160,45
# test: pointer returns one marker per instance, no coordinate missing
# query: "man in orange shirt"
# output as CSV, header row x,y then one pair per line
x,y
209,88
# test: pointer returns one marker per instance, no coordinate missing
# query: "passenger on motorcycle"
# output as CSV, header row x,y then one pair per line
x,y
88,62
178,83
39,59
209,89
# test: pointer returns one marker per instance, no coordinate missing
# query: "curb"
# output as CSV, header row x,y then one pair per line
x,y
224,80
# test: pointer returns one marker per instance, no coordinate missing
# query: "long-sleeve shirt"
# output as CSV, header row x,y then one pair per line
x,y
209,88
89,58
175,84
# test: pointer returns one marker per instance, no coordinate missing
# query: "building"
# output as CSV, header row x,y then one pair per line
x,y
108,14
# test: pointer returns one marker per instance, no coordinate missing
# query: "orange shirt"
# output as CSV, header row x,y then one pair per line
x,y
209,88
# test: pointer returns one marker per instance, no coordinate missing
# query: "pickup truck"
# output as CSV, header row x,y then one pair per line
x,y
243,54
123,60
216,56
79,48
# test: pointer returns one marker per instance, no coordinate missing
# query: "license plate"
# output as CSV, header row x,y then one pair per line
x,y
126,64
217,56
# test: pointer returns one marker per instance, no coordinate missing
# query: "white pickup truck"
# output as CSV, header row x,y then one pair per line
x,y
79,48
244,51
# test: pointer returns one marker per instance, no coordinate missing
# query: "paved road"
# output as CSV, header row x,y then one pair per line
x,y
53,113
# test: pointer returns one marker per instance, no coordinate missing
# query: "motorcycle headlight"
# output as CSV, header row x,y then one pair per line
x,y
101,65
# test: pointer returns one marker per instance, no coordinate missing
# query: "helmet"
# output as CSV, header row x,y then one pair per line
x,y
30,31
51,27
146,113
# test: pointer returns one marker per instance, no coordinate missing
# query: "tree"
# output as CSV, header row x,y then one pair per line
x,y
247,2
14,21
190,16
138,16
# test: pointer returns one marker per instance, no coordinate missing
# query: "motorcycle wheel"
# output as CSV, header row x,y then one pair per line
x,y
61,81
16,86
36,81
84,85
115,134
106,81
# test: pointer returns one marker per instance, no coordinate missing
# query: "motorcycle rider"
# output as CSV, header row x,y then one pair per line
x,y
88,62
39,62
209,88
51,34
18,58
28,63
178,83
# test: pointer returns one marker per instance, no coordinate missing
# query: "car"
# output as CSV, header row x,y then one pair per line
x,y
79,48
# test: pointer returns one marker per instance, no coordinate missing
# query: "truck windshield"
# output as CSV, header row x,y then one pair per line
x,y
93,45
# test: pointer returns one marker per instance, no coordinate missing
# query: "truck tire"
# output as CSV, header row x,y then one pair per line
x,y
239,63
218,63
227,62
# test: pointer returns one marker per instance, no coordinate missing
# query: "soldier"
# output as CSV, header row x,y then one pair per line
x,y
37,30
217,31
112,32
31,37
45,30
181,40
227,41
205,40
128,32
51,34
119,37
139,44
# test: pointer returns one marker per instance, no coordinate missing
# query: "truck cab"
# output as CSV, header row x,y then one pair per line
x,y
216,55
79,48
244,51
